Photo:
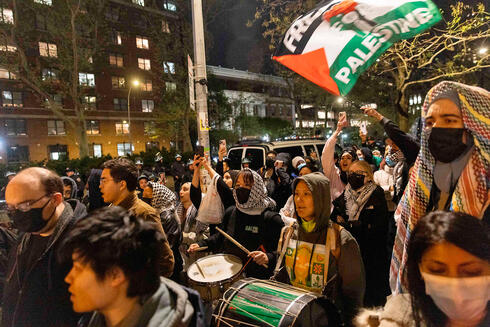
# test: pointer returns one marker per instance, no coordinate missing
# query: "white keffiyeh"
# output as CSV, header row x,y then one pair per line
x,y
163,197
258,200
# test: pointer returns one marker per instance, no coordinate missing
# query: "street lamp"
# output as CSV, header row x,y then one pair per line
x,y
340,100
134,83
482,50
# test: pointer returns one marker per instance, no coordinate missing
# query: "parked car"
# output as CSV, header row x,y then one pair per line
x,y
256,150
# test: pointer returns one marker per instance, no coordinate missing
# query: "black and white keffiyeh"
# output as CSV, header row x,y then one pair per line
x,y
356,200
163,197
258,200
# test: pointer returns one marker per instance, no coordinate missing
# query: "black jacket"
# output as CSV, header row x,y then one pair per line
x,y
173,232
408,145
41,298
177,169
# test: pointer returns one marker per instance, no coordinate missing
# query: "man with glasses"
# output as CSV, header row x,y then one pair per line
x,y
118,184
35,293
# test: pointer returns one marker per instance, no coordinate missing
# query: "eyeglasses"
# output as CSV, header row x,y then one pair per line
x,y
24,206
105,180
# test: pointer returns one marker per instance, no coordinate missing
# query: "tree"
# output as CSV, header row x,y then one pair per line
x,y
70,40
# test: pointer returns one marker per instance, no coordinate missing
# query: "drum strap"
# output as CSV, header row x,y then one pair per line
x,y
286,234
333,239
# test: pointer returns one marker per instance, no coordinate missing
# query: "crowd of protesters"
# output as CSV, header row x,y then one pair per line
x,y
400,229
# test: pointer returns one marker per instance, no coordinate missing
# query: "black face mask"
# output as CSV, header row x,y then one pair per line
x,y
446,144
343,177
242,194
356,181
30,221
269,163
147,200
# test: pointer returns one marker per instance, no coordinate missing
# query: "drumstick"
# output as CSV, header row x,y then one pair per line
x,y
202,248
232,240
200,270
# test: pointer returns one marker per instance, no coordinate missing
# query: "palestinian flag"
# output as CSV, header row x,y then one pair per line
x,y
338,40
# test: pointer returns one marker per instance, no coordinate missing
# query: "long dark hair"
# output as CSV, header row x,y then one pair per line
x,y
463,231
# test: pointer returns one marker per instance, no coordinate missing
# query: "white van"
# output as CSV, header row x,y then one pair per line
x,y
256,150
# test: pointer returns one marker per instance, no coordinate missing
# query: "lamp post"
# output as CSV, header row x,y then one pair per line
x,y
133,83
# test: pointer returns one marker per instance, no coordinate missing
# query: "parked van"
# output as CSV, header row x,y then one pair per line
x,y
256,150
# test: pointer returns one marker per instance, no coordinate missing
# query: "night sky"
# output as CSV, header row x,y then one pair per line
x,y
234,45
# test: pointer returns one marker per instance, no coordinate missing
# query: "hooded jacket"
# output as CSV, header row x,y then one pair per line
x,y
305,253
169,306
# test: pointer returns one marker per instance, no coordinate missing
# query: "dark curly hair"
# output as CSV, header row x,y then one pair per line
x,y
112,237
123,169
460,229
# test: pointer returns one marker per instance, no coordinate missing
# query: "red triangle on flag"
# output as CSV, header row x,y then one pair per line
x,y
312,66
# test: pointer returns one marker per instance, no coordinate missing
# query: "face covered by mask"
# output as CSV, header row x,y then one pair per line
x,y
356,181
242,194
446,144
461,299
30,221
269,163
147,200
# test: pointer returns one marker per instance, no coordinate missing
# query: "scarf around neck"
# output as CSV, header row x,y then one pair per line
x,y
356,200
258,200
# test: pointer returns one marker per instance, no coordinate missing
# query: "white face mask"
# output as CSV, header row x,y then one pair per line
x,y
461,299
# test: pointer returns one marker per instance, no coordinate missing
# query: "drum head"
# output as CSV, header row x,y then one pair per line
x,y
216,268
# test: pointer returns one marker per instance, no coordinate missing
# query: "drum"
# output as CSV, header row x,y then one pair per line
x,y
254,302
213,274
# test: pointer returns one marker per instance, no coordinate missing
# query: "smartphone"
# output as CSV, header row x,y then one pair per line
x,y
369,106
222,144
363,128
199,151
342,114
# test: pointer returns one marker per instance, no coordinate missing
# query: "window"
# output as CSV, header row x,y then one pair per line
x,y
6,74
116,37
256,156
12,99
49,74
41,22
124,149
149,127
139,2
58,152
144,64
116,60
89,102
96,150
112,14
86,79
57,99
4,46
93,127
122,128
118,82
294,151
56,127
165,26
142,42
170,6
169,67
18,153
152,145
147,85
44,2
15,127
120,104
147,105
6,16
48,49
170,86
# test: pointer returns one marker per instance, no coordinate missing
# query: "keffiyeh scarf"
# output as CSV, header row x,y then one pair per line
x,y
258,200
356,200
471,194
163,197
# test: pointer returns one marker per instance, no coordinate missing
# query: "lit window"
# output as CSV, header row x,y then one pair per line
x,y
124,149
321,115
44,2
93,127
144,64
122,128
49,74
48,49
118,82
120,104
56,127
165,26
17,153
142,42
170,6
86,79
139,2
57,99
6,16
147,85
116,37
15,127
89,102
169,67
147,105
6,74
97,150
149,127
170,86
4,46
12,99
58,152
116,60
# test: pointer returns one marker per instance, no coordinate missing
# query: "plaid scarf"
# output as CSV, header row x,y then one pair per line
x,y
163,197
471,194
258,200
356,200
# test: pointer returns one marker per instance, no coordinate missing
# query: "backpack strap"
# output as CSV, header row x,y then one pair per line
x,y
286,234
